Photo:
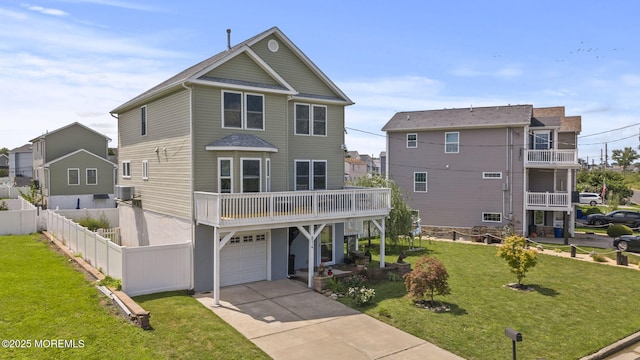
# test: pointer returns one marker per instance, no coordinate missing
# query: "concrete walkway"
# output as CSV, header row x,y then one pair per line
x,y
290,321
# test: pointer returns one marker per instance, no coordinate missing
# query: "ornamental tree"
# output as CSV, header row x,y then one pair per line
x,y
428,278
520,259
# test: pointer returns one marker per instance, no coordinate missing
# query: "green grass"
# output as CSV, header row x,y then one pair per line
x,y
43,297
576,307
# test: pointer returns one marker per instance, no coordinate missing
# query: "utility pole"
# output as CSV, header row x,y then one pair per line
x,y
606,156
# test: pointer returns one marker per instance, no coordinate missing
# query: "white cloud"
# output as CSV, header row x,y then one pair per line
x,y
46,11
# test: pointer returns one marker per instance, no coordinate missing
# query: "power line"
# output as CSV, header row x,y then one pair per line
x,y
607,131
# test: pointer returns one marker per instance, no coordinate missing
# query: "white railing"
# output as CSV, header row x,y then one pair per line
x,y
276,207
552,157
548,200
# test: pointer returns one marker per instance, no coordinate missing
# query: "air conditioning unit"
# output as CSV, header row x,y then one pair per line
x,y
124,192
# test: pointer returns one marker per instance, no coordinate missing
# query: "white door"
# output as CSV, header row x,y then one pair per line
x,y
244,259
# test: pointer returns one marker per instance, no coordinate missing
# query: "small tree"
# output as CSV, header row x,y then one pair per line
x,y
520,259
428,278
33,195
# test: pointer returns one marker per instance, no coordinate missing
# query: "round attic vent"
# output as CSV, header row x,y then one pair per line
x,y
273,45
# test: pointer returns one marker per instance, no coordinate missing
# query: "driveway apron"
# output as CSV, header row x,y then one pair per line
x,y
287,320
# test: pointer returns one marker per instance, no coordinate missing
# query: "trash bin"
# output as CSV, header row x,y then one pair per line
x,y
579,213
558,232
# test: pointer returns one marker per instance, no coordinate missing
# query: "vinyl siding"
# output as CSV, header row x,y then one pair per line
x,y
81,161
168,189
63,142
456,192
291,68
242,67
208,128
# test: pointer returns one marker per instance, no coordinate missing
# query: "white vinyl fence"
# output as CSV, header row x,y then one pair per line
x,y
11,192
20,219
143,270
110,213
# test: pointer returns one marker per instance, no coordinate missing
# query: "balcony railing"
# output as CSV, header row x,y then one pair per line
x,y
551,157
548,200
281,207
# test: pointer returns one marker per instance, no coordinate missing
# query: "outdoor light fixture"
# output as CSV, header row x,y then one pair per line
x,y
514,336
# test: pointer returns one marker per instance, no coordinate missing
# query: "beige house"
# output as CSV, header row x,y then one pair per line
x,y
71,168
241,155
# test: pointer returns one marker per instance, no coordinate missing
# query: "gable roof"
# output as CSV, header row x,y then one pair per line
x,y
242,142
41,137
26,148
490,116
77,152
194,74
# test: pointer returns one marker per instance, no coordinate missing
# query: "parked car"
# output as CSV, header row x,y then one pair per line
x,y
625,217
590,198
627,243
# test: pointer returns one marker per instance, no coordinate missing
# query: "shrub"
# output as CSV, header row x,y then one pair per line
x,y
95,224
593,210
354,281
336,285
4,206
598,257
110,282
619,230
428,278
361,295
520,259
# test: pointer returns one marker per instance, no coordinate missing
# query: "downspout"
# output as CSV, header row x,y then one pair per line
x,y
525,178
191,180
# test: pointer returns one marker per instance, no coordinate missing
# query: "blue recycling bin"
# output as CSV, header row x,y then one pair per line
x,y
579,213
558,232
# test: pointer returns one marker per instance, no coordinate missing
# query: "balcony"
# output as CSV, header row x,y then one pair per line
x,y
551,158
268,209
560,201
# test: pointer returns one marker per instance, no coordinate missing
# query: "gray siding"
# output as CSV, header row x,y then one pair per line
x,y
81,161
168,189
289,66
457,194
72,138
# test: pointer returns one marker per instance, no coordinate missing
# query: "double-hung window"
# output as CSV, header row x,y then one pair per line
x,y
73,176
311,174
451,142
310,119
250,175
92,176
145,169
420,182
242,110
412,140
126,169
225,175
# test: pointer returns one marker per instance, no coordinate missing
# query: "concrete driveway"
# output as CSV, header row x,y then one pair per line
x,y
287,320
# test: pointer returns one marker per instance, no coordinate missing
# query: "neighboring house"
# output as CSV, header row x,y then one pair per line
x,y
488,166
4,161
372,164
20,165
241,155
72,170
354,168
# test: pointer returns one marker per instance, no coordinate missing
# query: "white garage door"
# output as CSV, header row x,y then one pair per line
x,y
244,259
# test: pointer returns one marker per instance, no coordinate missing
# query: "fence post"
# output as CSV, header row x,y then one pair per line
x,y
621,259
573,251
454,235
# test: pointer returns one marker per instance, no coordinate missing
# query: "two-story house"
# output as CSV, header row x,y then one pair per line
x,y
71,168
488,166
242,155
21,165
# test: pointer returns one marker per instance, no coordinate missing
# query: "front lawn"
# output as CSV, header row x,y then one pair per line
x,y
44,299
575,308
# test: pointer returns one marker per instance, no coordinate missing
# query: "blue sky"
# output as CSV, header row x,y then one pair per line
x,y
75,60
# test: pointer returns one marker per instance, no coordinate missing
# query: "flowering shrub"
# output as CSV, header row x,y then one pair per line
x,y
361,295
355,281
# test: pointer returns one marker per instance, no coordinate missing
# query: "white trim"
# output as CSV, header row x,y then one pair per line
x,y
295,119
220,159
87,176
313,175
69,178
126,165
223,109
245,111
457,142
489,175
426,181
242,159
267,174
145,169
295,174
492,213
416,141
310,120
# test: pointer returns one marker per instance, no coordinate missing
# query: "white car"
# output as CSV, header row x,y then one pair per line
x,y
590,198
